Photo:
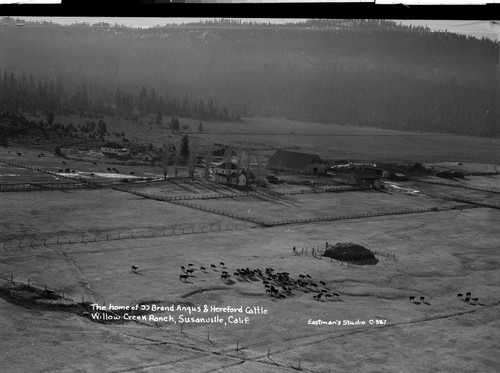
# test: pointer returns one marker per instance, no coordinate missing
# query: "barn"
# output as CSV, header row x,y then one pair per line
x,y
289,161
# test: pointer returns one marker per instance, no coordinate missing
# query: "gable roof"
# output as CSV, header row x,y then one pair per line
x,y
365,174
283,159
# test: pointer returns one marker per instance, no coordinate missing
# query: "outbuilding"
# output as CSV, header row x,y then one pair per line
x,y
284,160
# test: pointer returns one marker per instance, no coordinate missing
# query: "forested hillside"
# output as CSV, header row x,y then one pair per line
x,y
355,72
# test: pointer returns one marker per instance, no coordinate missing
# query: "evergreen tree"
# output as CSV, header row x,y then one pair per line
x,y
184,152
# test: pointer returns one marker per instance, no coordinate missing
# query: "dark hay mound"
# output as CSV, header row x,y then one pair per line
x,y
351,252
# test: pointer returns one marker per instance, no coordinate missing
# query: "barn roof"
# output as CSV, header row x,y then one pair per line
x,y
365,174
284,159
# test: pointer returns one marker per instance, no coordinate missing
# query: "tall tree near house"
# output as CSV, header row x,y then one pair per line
x,y
257,160
165,157
247,163
184,152
176,162
208,160
240,155
192,160
228,155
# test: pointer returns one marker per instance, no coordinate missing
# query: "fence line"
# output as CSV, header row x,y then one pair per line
x,y
85,182
12,245
335,189
458,186
369,215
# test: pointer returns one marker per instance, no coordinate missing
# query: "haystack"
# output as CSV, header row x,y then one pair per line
x,y
351,252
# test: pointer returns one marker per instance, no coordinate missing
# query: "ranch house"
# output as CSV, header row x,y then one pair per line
x,y
236,176
114,149
289,161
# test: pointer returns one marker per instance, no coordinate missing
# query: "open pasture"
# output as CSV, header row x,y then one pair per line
x,y
445,191
354,143
188,187
308,206
433,259
19,175
38,215
82,168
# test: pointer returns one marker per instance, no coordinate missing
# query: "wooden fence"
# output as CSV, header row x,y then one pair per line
x,y
14,245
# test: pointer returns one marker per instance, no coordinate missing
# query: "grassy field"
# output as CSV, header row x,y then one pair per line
x,y
38,215
433,259
330,141
308,206
433,255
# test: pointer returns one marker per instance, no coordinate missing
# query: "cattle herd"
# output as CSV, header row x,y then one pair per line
x,y
278,285
467,298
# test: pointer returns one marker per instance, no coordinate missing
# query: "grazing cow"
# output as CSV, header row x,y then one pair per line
x,y
212,266
222,264
94,163
183,278
468,294
92,174
422,299
183,269
336,295
43,155
19,154
38,156
60,171
308,276
190,270
467,299
109,169
63,162
460,295
412,298
475,300
322,283
203,269
134,269
132,173
190,264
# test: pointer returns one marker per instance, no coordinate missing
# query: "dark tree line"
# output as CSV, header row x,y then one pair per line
x,y
25,94
356,72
